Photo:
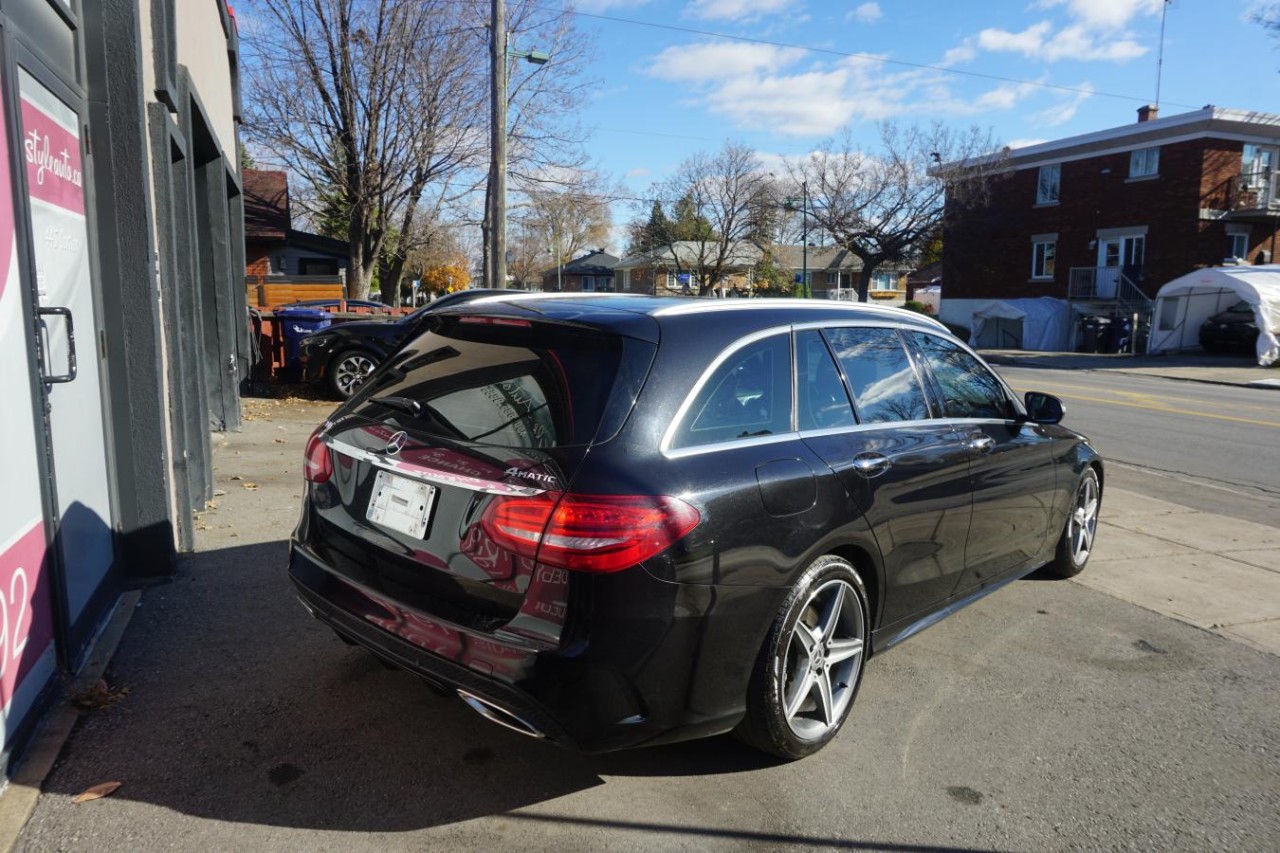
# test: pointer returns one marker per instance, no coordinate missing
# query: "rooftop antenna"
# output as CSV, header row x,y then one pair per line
x,y
1164,11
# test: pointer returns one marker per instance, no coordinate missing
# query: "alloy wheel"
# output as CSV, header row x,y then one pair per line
x,y
351,372
1084,520
823,658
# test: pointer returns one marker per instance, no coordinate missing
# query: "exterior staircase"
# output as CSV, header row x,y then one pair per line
x,y
1108,291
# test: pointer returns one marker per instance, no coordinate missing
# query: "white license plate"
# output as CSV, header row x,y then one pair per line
x,y
401,504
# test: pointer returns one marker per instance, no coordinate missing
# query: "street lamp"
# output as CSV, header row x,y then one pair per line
x,y
790,204
554,251
498,55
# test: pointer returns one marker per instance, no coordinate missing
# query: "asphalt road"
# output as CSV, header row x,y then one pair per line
x,y
1210,447
1049,716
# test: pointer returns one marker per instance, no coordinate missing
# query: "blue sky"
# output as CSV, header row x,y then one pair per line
x,y
1028,70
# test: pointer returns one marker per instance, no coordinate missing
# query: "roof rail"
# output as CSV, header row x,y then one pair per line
x,y
740,304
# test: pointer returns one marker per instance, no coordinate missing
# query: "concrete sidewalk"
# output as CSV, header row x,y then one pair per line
x,y
1187,367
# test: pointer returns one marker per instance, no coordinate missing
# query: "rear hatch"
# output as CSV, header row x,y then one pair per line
x,y
430,489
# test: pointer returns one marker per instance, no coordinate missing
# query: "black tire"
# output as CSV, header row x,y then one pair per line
x,y
1071,557
348,370
767,725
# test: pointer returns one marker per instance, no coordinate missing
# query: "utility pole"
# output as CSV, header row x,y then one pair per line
x,y
498,146
498,138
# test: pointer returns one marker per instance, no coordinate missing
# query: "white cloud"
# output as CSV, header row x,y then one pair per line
x,y
638,172
1065,111
1024,143
759,87
867,13
737,10
720,61
959,55
1104,14
1029,42
1075,42
1088,31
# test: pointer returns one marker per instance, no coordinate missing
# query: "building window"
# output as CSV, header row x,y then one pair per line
x,y
884,280
1144,163
626,280
1042,256
1239,244
1049,184
1256,166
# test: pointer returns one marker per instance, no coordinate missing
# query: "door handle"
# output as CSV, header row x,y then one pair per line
x,y
871,464
65,313
982,443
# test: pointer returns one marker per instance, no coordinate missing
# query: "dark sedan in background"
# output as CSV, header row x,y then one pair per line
x,y
612,521
341,357
1233,330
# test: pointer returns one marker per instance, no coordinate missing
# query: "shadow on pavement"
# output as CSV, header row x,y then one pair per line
x,y
242,708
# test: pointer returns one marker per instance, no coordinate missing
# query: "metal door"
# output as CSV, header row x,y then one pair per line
x,y
54,190
26,610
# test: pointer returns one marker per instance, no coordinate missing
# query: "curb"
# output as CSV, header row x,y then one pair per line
x,y
19,797
1032,365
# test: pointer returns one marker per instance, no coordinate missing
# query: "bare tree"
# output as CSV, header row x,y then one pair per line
x,y
883,206
723,212
368,101
570,214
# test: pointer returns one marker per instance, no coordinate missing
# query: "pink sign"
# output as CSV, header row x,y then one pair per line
x,y
54,169
26,617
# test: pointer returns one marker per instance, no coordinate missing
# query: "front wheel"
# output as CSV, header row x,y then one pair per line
x,y
810,668
1078,536
349,370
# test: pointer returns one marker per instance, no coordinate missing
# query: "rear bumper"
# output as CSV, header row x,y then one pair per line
x,y
671,661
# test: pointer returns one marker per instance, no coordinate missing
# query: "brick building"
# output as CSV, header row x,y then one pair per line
x,y
589,273
1105,218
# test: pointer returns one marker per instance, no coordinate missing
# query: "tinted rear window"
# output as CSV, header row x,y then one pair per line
x,y
529,386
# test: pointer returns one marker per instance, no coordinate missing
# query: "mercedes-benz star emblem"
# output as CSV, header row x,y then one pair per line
x,y
396,443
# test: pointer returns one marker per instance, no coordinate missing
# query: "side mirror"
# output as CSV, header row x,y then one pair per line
x,y
1043,408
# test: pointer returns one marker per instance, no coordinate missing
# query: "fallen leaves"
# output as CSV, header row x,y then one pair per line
x,y
98,697
253,487
96,792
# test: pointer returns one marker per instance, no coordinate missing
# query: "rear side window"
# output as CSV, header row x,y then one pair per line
x,y
532,385
748,395
822,401
969,390
884,383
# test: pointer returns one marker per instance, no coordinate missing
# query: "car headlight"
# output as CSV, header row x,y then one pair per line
x,y
318,341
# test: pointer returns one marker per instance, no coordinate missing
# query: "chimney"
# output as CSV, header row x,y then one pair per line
x,y
1150,112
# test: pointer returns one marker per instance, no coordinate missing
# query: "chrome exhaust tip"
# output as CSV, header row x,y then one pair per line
x,y
497,714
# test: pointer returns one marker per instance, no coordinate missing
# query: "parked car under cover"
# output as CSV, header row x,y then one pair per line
x,y
1233,330
341,357
613,521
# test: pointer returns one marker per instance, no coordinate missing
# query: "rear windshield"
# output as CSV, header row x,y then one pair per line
x,y
476,379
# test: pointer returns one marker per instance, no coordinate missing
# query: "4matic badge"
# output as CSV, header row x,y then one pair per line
x,y
530,475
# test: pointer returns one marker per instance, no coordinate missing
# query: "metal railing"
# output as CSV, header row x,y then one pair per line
x,y
1107,284
1254,191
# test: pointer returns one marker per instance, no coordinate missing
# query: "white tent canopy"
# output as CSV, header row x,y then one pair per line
x,y
1042,323
1185,303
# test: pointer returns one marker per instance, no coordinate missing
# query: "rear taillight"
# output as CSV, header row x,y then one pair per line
x,y
317,465
589,533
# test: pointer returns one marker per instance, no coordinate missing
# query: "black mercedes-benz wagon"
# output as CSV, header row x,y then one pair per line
x,y
619,520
